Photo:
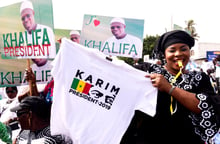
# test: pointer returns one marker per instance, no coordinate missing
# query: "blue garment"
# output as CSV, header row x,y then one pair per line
x,y
217,138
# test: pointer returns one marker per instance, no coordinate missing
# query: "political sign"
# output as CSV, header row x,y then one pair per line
x,y
113,36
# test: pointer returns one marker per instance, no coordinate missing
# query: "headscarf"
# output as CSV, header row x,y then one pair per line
x,y
172,37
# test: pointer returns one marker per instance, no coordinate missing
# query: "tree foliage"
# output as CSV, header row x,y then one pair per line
x,y
148,44
190,27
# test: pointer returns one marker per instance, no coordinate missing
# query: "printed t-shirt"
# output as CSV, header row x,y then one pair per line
x,y
94,99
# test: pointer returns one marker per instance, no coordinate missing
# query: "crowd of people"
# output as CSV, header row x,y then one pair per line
x,y
211,68
187,109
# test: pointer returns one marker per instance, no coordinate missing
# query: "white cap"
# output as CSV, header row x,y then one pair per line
x,y
74,32
26,4
120,20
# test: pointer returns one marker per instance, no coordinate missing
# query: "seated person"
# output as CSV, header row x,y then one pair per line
x,y
33,114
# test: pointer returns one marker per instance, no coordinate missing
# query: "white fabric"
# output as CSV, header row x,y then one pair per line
x,y
217,73
52,47
26,4
2,93
82,118
73,32
7,114
207,65
192,66
43,73
116,45
120,20
35,141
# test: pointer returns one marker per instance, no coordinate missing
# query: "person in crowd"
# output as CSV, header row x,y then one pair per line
x,y
211,71
5,113
121,37
46,93
185,112
41,66
10,118
27,14
42,69
207,66
192,66
217,72
33,114
11,95
75,36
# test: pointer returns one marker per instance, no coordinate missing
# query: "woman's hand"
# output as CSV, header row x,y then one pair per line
x,y
159,82
186,98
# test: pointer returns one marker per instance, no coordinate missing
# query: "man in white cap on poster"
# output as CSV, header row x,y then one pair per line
x,y
75,36
36,33
120,38
41,65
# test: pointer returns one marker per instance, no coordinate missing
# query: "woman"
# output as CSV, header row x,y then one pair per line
x,y
184,113
11,95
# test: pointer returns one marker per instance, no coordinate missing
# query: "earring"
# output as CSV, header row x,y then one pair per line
x,y
29,122
29,119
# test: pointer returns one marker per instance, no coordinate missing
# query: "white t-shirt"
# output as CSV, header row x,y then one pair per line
x,y
7,114
217,72
207,65
43,73
115,90
129,46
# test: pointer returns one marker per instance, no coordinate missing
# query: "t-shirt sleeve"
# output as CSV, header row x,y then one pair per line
x,y
148,99
57,64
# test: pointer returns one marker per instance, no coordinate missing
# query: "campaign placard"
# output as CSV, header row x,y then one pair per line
x,y
26,30
113,36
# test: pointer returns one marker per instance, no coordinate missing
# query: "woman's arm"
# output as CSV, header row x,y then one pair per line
x,y
186,98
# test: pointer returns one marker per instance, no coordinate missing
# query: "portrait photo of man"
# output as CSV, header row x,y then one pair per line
x,y
38,35
121,42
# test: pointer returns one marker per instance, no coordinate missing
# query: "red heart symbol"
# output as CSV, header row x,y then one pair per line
x,y
96,22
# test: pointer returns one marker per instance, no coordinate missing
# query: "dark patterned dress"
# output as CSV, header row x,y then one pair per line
x,y
45,134
183,127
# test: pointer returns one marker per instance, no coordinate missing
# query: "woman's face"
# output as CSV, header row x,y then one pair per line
x,y
174,53
11,92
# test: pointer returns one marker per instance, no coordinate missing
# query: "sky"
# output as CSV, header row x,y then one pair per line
x,y
159,15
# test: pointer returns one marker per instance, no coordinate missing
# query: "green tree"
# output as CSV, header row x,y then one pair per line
x,y
148,46
190,27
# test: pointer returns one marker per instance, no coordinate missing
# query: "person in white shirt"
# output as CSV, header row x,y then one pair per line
x,y
45,39
75,36
217,72
121,40
42,69
5,103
